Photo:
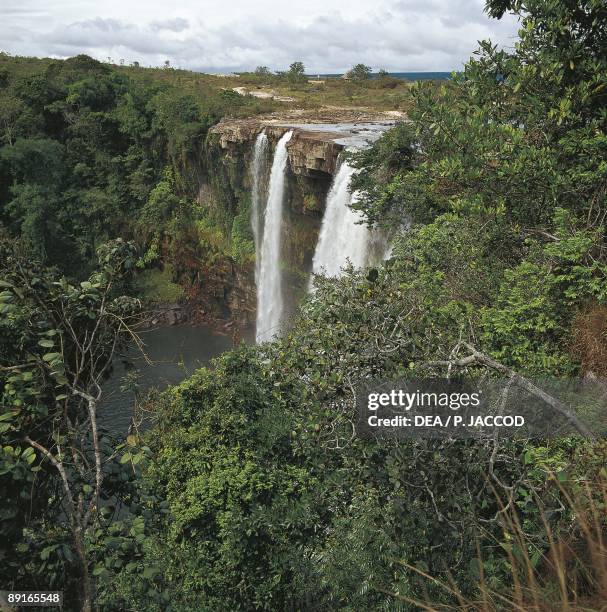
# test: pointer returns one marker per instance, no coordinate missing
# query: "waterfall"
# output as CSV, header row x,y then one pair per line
x,y
258,174
269,286
341,237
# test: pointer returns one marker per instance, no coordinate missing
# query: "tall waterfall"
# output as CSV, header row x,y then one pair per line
x,y
341,237
258,174
269,286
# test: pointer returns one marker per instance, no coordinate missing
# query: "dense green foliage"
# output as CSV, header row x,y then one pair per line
x,y
273,503
89,152
360,72
296,73
252,490
517,146
57,342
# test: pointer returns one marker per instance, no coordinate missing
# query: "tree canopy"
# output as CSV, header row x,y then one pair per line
x,y
253,491
360,72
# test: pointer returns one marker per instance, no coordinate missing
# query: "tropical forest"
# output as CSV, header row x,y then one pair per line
x,y
199,273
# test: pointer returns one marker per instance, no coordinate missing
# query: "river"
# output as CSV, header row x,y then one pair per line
x,y
175,352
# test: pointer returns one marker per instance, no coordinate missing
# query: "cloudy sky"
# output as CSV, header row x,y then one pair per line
x,y
225,35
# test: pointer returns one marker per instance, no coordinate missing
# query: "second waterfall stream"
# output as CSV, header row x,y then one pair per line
x,y
342,237
269,282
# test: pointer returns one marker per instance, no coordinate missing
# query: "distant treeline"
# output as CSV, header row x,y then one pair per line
x,y
405,76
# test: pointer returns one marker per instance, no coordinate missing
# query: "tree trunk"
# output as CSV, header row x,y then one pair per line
x,y
86,600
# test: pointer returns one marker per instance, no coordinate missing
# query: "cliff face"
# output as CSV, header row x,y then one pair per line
x,y
227,187
312,153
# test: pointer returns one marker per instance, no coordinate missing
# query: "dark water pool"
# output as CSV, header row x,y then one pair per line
x,y
175,351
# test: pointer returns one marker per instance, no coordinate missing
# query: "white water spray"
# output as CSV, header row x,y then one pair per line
x,y
269,286
258,175
341,237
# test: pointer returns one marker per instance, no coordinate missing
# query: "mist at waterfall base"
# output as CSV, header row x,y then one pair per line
x,y
269,285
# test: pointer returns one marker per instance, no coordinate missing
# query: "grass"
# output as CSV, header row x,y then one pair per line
x,y
376,95
568,574
373,95
383,94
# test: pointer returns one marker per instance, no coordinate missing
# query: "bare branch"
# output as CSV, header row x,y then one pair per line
x,y
482,359
61,469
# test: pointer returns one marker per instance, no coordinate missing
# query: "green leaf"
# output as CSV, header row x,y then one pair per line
x,y
150,572
45,553
46,343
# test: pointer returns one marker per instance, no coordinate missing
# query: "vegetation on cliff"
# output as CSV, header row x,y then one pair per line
x,y
90,152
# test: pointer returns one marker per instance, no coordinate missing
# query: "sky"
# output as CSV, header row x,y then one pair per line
x,y
234,35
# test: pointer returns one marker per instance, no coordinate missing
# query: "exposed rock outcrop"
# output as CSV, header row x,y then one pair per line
x,y
233,133
313,153
310,152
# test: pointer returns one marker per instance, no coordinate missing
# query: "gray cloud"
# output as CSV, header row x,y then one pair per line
x,y
174,25
396,35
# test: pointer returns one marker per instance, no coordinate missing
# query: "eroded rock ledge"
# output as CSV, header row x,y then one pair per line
x,y
313,149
